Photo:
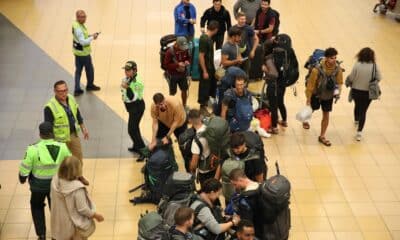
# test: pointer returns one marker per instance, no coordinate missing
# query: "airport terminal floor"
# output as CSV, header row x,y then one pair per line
x,y
350,190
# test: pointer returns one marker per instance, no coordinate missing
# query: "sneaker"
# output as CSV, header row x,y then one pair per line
x,y
283,123
78,92
358,136
141,158
93,88
273,131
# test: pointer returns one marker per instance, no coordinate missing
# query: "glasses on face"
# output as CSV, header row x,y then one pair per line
x,y
249,234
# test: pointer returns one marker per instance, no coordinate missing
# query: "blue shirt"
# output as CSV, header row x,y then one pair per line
x,y
183,27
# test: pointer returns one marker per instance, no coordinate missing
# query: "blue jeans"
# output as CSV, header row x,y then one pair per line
x,y
80,62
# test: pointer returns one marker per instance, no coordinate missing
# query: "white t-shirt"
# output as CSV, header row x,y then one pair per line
x,y
195,147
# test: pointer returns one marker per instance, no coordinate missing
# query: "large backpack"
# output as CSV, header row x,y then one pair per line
x,y
227,82
165,42
185,145
326,83
227,167
217,135
285,60
178,192
160,165
241,113
151,226
275,200
254,141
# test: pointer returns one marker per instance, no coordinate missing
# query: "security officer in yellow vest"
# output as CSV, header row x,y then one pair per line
x,y
63,112
41,162
132,94
81,49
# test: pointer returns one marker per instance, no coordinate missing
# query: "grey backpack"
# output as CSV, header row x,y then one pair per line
x,y
151,226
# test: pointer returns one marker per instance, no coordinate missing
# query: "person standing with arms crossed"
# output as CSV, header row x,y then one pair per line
x,y
40,163
81,49
132,95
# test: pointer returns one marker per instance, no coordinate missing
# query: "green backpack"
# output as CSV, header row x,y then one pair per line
x,y
227,167
217,135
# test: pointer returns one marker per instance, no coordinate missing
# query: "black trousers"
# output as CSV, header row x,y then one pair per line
x,y
37,210
80,62
163,130
135,115
207,87
362,101
276,101
218,39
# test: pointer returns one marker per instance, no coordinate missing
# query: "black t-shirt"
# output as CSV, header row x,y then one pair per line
x,y
206,47
252,168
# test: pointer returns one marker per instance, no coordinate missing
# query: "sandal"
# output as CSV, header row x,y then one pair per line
x,y
324,141
283,123
306,125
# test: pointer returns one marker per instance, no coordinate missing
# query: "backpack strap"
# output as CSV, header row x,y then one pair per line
x,y
172,51
197,141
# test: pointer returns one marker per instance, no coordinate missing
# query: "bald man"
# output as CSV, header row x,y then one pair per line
x,y
81,49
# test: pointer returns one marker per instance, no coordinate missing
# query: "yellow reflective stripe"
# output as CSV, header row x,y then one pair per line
x,y
25,166
46,167
43,177
61,126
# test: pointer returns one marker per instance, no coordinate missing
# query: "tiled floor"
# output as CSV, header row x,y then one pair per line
x,y
348,191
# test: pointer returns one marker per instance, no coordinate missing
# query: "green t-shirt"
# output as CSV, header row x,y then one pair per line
x,y
206,46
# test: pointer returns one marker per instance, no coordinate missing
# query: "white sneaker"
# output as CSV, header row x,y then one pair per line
x,y
358,136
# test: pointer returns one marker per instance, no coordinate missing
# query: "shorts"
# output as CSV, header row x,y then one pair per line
x,y
316,103
176,81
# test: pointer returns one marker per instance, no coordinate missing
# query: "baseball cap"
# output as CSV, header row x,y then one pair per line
x,y
46,128
182,43
129,65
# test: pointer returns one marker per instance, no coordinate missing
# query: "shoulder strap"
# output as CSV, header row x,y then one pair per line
x,y
197,141
172,51
373,75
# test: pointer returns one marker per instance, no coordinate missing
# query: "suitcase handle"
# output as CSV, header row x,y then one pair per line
x,y
277,168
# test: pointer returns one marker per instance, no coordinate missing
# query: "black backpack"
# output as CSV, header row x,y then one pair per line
x,y
254,141
285,60
185,145
179,191
165,43
160,165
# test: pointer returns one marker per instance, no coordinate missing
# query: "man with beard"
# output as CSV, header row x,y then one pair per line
x,y
169,118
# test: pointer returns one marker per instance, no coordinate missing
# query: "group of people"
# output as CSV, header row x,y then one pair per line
x,y
53,165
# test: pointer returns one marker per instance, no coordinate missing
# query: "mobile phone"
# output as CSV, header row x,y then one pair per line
x,y
244,59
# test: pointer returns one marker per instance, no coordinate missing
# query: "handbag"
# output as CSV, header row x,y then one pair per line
x,y
374,91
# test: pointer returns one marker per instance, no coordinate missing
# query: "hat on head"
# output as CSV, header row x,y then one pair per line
x,y
46,128
129,65
182,43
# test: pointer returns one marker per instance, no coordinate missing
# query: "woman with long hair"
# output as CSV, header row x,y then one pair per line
x,y
364,70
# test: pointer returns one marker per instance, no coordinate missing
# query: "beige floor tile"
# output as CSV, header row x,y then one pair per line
x,y
371,223
311,209
349,235
321,171
326,183
395,235
19,216
316,224
363,209
298,235
392,222
320,235
377,235
375,183
344,224
351,183
297,224
15,230
306,196
357,195
5,201
125,228
337,209
386,195
388,208
104,199
21,201
104,229
331,195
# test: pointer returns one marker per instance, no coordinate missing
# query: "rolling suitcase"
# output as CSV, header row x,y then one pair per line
x,y
256,63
